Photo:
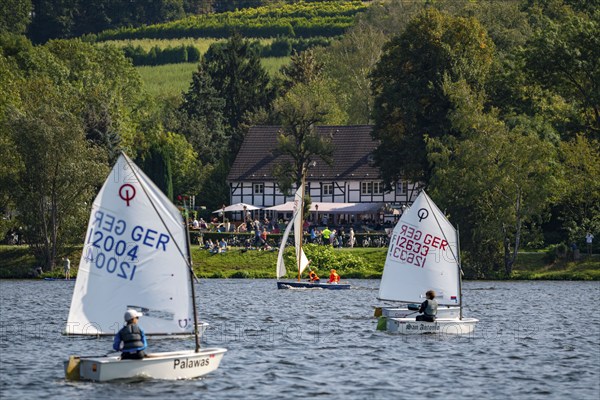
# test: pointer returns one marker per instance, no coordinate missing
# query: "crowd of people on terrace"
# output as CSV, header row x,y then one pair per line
x,y
338,235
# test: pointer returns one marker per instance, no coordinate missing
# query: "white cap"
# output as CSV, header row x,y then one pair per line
x,y
131,314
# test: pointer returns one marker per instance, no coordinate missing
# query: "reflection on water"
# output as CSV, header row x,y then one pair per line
x,y
533,341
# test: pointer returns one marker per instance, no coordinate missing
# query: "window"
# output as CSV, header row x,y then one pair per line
x,y
327,189
371,188
377,187
366,188
402,187
259,188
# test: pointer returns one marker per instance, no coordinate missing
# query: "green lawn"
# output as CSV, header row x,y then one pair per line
x,y
170,80
16,262
201,44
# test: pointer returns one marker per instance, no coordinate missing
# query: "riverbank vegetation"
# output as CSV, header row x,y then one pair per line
x,y
358,263
492,106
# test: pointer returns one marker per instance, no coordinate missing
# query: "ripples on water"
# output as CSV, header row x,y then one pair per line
x,y
534,340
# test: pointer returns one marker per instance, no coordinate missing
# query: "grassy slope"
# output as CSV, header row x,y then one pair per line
x,y
167,81
15,262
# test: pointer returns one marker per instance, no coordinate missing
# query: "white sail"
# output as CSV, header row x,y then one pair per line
x,y
422,255
281,271
301,259
296,224
134,256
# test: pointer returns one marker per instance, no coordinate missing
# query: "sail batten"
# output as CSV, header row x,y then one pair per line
x,y
422,256
134,256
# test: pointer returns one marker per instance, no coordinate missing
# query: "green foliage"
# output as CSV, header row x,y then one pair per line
x,y
201,118
157,165
160,54
407,86
347,64
303,68
167,82
72,18
230,84
109,89
71,111
303,107
15,16
188,172
579,206
302,19
16,262
59,169
563,57
492,179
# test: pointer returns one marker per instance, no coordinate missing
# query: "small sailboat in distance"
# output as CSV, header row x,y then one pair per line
x,y
423,255
136,255
301,260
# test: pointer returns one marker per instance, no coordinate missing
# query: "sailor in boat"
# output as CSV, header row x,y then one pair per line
x,y
131,340
334,277
313,277
428,308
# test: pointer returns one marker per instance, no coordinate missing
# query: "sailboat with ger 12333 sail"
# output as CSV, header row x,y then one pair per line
x,y
423,255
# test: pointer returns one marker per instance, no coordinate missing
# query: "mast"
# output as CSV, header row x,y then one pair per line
x,y
188,255
459,273
191,273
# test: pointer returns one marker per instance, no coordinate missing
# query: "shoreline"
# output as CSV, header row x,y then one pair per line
x,y
17,263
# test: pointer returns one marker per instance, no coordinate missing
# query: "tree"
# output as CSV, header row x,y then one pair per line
x,y
303,68
52,19
200,118
157,165
563,57
302,108
188,172
15,16
59,169
407,85
111,100
579,206
10,81
58,165
348,64
491,178
239,78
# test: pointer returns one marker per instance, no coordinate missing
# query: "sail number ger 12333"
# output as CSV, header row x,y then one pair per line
x,y
410,245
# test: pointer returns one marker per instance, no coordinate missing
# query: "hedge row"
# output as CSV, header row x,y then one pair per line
x,y
281,47
292,20
158,56
260,30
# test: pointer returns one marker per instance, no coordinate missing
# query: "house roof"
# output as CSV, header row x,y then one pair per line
x,y
351,156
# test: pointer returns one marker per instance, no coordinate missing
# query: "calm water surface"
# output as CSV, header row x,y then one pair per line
x,y
535,340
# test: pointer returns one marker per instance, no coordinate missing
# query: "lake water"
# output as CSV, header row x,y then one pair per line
x,y
534,340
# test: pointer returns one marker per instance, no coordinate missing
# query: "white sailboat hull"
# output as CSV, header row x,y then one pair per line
x,y
403,312
167,365
443,326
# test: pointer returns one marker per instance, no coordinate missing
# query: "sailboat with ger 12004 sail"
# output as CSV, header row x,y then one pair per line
x,y
301,260
423,255
136,255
